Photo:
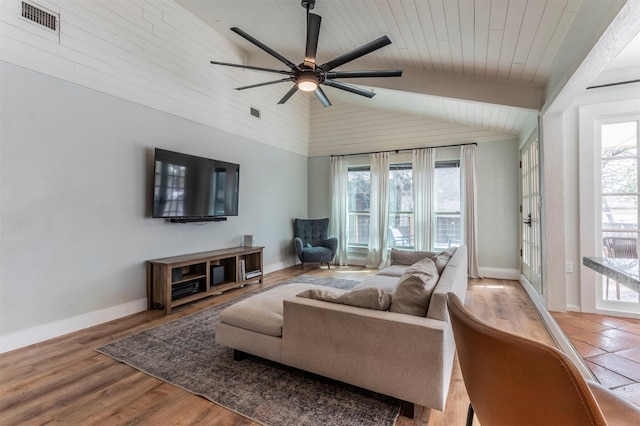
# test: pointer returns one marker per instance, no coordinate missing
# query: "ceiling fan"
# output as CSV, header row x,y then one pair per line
x,y
308,76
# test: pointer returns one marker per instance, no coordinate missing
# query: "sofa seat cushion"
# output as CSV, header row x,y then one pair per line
x,y
316,254
393,270
382,282
413,292
263,312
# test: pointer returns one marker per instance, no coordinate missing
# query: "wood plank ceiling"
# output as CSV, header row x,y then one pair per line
x,y
514,42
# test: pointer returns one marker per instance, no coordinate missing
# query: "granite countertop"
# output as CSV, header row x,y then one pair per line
x,y
624,271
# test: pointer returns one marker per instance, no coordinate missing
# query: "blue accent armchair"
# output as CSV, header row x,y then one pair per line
x,y
312,242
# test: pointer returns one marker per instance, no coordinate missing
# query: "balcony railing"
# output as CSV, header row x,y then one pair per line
x,y
401,228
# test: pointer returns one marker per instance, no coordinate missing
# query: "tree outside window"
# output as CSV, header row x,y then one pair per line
x,y
619,199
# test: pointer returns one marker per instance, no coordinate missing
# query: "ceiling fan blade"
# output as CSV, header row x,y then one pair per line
x,y
226,64
263,84
349,88
364,74
313,33
289,94
322,97
356,53
264,47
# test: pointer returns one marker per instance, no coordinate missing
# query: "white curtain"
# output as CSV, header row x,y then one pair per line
x,y
469,215
339,208
424,164
379,210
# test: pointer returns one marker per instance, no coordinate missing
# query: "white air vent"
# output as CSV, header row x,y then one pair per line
x,y
40,16
255,112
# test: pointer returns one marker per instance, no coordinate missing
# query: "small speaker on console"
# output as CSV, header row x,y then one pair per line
x,y
247,240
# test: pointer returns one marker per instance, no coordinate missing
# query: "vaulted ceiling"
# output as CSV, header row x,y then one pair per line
x,y
484,63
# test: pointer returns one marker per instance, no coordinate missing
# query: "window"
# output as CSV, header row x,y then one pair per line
x,y
619,199
359,205
401,221
447,204
400,206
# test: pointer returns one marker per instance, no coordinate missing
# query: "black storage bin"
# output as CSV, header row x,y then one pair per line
x,y
176,274
217,274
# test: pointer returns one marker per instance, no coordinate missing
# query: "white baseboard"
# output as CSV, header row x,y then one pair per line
x,y
574,308
22,338
280,265
356,261
499,273
48,331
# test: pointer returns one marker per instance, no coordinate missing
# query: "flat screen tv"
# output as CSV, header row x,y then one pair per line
x,y
186,187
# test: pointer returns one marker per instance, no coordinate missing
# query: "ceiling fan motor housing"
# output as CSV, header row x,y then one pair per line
x,y
308,76
308,4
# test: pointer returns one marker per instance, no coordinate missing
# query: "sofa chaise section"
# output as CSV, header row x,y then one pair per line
x,y
405,356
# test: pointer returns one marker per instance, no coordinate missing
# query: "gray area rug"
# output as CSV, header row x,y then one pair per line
x,y
184,353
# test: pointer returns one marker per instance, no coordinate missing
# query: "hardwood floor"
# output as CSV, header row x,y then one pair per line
x,y
610,347
64,381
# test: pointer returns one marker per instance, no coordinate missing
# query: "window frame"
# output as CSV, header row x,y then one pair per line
x,y
396,166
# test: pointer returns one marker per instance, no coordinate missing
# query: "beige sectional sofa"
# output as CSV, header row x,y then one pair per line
x,y
406,356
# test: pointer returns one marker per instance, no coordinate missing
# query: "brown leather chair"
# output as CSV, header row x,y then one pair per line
x,y
511,380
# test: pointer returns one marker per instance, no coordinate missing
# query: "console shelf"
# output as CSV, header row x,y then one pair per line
x,y
176,280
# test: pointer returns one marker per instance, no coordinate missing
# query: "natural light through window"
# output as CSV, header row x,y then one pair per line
x,y
619,200
401,230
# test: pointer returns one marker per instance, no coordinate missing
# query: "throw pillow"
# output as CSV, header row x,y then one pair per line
x,y
368,298
441,259
413,292
406,257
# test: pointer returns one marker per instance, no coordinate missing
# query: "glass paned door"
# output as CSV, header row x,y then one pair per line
x,y
531,255
619,206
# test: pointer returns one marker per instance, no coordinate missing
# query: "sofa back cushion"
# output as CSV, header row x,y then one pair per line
x,y
453,279
406,257
413,292
442,258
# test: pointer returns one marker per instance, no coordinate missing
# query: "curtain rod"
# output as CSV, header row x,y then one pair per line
x,y
613,84
404,150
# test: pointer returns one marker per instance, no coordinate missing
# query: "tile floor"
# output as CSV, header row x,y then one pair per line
x,y
610,347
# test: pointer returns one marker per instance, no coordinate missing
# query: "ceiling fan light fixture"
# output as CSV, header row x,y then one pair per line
x,y
307,84
308,76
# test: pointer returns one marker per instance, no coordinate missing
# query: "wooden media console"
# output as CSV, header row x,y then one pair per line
x,y
176,280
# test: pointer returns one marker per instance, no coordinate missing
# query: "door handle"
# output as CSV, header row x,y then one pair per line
x,y
528,221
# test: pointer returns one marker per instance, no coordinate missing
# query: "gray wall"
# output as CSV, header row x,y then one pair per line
x,y
319,187
75,225
497,174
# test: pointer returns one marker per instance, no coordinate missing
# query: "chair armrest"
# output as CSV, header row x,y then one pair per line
x,y
299,245
331,244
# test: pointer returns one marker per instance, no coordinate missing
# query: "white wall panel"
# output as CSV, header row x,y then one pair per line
x,y
348,129
156,54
